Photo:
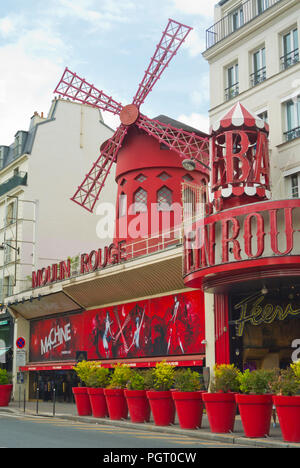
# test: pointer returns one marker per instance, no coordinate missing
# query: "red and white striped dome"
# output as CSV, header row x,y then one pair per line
x,y
239,117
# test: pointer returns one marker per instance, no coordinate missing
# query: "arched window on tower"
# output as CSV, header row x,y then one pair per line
x,y
189,203
122,204
164,199
140,200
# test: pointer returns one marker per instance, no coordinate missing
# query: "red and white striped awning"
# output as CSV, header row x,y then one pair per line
x,y
239,117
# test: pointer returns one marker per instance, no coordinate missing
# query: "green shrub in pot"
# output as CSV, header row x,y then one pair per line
x,y
186,380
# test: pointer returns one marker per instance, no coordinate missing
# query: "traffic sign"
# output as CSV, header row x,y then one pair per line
x,y
20,342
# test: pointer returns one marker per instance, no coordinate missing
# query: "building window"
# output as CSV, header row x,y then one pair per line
x,y
232,77
294,185
11,213
164,199
18,145
163,176
262,5
8,286
236,19
141,178
263,116
122,205
290,49
258,66
292,110
187,178
140,200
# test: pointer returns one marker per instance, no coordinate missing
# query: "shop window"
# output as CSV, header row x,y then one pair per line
x,y
164,199
140,200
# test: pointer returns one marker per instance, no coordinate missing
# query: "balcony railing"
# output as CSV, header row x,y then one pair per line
x,y
231,91
13,182
247,11
258,77
289,59
292,134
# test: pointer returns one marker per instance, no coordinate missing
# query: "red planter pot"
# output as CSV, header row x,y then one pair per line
x,y
189,407
221,410
288,412
138,405
98,402
116,403
162,407
82,401
5,394
256,413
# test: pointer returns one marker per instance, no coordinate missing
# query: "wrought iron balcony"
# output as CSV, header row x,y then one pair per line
x,y
258,77
292,134
13,182
232,91
289,59
236,19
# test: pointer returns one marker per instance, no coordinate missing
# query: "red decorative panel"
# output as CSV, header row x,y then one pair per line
x,y
164,326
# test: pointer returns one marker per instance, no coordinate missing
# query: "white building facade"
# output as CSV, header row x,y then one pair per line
x,y
39,174
253,55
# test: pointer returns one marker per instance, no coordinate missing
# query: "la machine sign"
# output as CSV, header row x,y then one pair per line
x,y
95,260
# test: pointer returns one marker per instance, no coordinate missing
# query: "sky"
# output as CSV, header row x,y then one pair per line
x,y
110,44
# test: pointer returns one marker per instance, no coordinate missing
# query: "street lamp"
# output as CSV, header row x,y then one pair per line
x,y
2,247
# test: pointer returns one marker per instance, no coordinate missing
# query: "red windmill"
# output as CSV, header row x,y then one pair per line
x,y
188,145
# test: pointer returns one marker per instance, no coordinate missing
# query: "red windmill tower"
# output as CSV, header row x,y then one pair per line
x,y
146,173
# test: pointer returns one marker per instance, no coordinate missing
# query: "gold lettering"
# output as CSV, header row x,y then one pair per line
x,y
258,314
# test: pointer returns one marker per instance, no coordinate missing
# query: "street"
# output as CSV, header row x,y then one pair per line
x,y
45,432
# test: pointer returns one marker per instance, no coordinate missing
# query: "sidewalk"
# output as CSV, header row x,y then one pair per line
x,y
68,411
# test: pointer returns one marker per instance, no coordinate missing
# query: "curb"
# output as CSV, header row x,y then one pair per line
x,y
231,438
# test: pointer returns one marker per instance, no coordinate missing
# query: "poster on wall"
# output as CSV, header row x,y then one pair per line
x,y
55,339
169,325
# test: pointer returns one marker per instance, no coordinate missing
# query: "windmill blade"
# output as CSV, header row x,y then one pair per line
x,y
78,89
88,192
172,38
188,145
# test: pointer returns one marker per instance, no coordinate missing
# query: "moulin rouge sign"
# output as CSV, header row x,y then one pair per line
x,y
95,260
261,230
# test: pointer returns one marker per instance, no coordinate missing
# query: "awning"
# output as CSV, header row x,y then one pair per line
x,y
145,277
43,305
176,361
238,116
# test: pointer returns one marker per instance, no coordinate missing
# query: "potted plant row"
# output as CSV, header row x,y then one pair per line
x,y
5,387
161,390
